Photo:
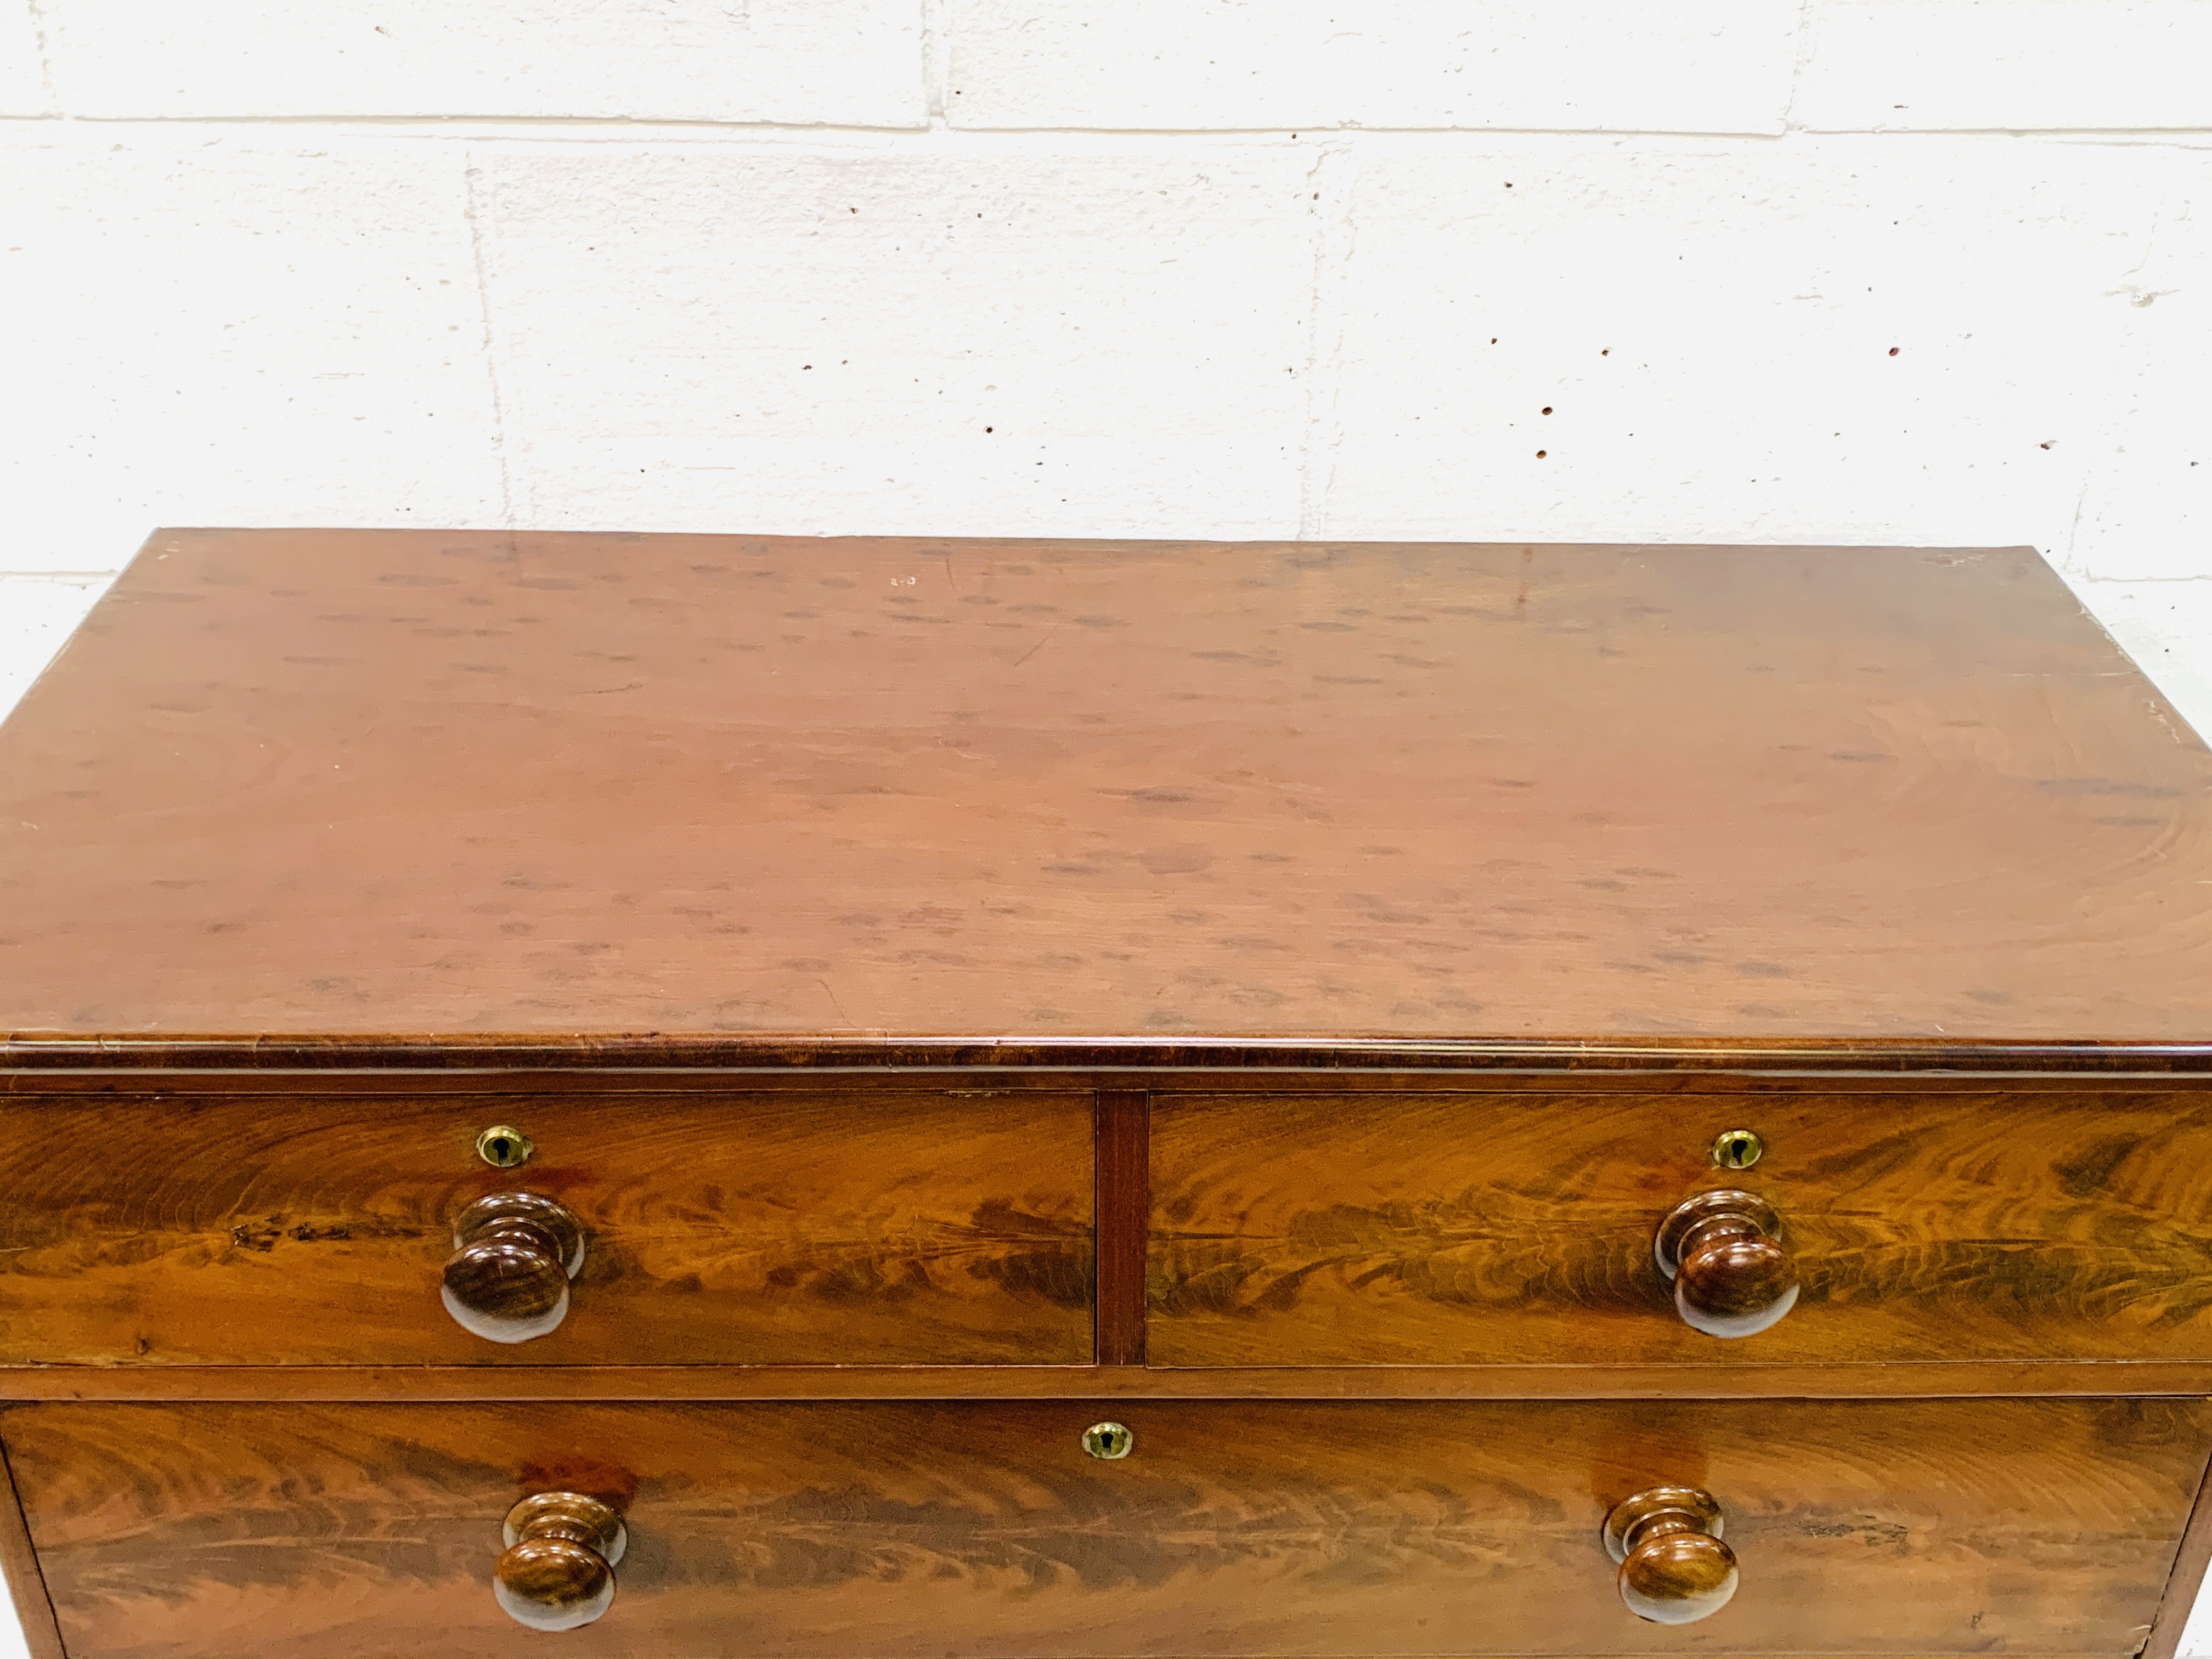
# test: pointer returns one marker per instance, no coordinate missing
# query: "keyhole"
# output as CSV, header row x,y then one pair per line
x,y
1107,1440
503,1147
1737,1149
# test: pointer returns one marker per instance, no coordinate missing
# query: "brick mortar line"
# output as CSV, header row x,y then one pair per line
x,y
468,126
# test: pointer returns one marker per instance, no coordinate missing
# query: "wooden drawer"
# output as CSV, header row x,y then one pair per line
x,y
840,1530
724,1229
1480,1228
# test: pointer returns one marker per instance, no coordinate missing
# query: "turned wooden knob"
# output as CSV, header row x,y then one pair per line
x,y
1731,1276
558,1571
1674,1568
514,1255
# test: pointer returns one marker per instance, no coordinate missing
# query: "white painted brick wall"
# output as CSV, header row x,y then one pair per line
x,y
22,90
801,63
2006,65
202,318
997,337
1199,65
1175,267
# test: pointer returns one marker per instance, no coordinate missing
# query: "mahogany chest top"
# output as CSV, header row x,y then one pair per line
x,y
1121,802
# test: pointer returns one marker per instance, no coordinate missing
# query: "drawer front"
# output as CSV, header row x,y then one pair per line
x,y
836,1531
728,1230
1518,1229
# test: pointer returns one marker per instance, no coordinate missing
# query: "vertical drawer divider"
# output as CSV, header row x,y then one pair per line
x,y
1124,1209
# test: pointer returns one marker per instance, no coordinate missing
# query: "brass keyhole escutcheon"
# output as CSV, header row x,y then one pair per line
x,y
1107,1440
503,1147
1737,1149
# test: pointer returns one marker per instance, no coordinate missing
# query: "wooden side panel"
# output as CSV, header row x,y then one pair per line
x,y
26,1584
846,1227
835,1531
1516,1230
2172,1621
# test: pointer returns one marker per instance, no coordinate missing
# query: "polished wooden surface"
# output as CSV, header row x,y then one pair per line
x,y
2022,1527
731,1229
291,782
1504,1230
1507,1229
432,1060
1744,1073
1596,1380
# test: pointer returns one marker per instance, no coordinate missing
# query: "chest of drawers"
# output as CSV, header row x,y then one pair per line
x,y
701,1097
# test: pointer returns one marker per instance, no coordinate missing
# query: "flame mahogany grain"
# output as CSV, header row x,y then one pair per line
x,y
817,1532
723,1229
1515,1229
